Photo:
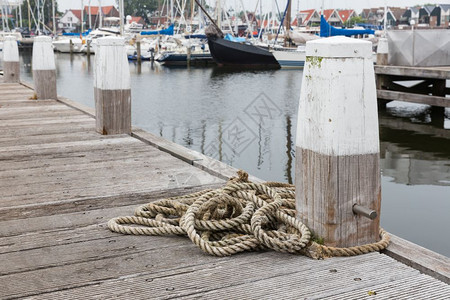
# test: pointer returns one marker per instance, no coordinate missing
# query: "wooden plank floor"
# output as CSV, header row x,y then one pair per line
x,y
60,183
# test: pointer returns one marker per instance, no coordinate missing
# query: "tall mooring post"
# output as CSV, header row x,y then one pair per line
x,y
338,192
382,51
44,68
112,87
11,67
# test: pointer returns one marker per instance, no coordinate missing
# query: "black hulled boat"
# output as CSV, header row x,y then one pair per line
x,y
226,52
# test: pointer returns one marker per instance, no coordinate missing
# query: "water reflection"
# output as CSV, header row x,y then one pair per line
x,y
414,153
247,118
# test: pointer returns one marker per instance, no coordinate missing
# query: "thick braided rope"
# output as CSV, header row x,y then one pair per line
x,y
241,216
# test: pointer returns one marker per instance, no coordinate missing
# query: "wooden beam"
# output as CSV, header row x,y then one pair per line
x,y
414,98
422,259
436,73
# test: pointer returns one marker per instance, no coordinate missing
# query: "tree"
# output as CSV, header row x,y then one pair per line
x,y
354,20
48,12
140,8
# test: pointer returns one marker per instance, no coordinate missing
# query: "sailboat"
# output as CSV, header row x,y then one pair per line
x,y
326,30
235,53
227,52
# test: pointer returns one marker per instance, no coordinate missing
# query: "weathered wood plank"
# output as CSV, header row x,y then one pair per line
x,y
67,201
12,151
26,131
83,157
414,98
203,162
248,276
43,114
48,107
46,121
421,72
419,287
24,103
78,106
420,258
192,273
22,228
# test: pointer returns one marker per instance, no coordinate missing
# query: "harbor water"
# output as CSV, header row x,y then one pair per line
x,y
248,119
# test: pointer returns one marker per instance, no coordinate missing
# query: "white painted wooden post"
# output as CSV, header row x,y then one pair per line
x,y
112,87
382,52
11,67
337,146
44,68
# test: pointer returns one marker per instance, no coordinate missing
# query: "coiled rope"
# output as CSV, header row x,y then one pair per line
x,y
241,216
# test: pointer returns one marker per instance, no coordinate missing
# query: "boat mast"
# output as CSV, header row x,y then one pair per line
x,y
82,16
38,23
100,10
20,15
219,13
3,17
171,11
29,15
385,19
208,16
53,17
90,18
192,14
287,23
249,26
121,16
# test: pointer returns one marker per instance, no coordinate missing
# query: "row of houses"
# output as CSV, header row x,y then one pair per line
x,y
427,15
71,19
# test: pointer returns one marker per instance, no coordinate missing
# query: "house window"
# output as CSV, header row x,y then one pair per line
x,y
69,19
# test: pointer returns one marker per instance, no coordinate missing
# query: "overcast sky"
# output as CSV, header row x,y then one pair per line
x,y
358,5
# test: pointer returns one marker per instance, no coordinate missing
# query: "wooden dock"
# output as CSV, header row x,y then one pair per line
x,y
61,182
432,90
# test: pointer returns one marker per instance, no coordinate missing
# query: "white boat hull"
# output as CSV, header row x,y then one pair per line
x,y
290,59
64,45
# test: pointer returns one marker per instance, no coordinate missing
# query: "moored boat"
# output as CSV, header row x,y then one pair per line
x,y
176,58
290,58
227,52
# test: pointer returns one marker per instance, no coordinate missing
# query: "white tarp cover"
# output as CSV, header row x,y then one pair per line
x,y
419,48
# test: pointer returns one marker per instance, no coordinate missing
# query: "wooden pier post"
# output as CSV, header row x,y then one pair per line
x,y
44,68
112,87
71,47
337,147
138,47
88,48
382,52
11,67
188,56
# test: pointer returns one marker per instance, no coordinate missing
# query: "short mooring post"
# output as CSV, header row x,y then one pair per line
x,y
138,48
112,87
44,68
338,192
70,46
11,67
88,48
382,51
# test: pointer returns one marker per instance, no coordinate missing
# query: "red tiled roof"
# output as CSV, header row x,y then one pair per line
x,y
309,13
266,22
94,9
137,20
345,14
327,13
77,13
